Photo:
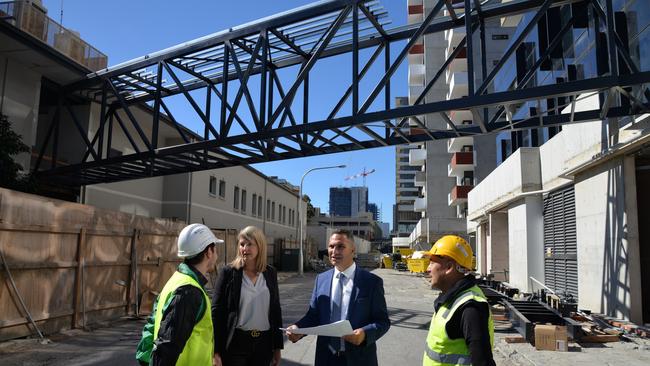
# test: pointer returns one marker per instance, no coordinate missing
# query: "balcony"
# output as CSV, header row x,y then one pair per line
x,y
417,157
454,36
405,207
459,194
416,74
414,93
511,20
456,144
461,117
420,179
416,53
415,11
31,18
460,61
420,233
457,85
420,205
461,162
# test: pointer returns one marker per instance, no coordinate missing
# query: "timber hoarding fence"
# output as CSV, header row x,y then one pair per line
x,y
75,265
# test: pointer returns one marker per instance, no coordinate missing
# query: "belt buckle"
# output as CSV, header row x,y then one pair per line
x,y
255,333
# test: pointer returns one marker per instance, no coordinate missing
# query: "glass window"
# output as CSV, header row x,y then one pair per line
x,y
259,206
243,200
268,209
254,203
236,199
213,186
273,211
222,188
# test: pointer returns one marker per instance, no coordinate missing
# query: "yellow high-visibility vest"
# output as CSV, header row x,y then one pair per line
x,y
440,349
199,348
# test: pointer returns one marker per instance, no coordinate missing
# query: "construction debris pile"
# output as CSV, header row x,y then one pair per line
x,y
550,321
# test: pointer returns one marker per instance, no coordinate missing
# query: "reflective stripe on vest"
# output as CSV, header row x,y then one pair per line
x,y
199,348
439,348
448,358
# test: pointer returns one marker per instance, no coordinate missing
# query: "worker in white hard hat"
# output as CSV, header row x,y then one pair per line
x,y
179,331
461,330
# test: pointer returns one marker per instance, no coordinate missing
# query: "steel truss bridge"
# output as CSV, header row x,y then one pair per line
x,y
254,110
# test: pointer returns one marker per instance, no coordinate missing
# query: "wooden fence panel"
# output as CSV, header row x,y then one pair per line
x,y
63,254
75,265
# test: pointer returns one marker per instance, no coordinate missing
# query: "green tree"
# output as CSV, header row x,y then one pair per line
x,y
11,144
311,212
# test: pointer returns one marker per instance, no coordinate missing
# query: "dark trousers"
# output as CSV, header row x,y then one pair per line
x,y
336,359
247,350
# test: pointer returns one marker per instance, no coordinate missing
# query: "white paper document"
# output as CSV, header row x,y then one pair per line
x,y
336,329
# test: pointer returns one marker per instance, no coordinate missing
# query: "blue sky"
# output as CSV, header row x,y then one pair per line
x,y
128,29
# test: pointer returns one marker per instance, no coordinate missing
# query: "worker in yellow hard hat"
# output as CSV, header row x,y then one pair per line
x,y
462,330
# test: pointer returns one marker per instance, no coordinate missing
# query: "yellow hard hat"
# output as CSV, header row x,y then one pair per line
x,y
456,248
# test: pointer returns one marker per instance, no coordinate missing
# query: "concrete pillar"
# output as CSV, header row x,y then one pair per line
x,y
497,247
481,248
608,245
525,242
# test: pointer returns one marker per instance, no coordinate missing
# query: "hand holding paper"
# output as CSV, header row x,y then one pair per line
x,y
336,329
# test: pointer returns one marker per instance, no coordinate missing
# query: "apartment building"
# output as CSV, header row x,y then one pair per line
x,y
568,208
448,170
408,183
348,201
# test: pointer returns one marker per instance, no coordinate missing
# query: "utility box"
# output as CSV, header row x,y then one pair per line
x,y
289,259
551,338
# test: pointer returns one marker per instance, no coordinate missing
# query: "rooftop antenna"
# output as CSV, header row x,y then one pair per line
x,y
61,18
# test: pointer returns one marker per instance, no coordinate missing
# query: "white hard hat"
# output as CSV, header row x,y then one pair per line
x,y
194,238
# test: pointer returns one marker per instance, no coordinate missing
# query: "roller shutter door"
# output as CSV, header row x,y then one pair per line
x,y
560,242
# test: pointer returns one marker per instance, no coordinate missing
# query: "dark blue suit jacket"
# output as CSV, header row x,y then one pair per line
x,y
367,310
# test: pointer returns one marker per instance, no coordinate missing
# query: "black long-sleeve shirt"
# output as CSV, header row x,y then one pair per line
x,y
470,322
185,308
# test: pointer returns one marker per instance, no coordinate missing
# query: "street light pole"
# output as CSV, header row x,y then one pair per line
x,y
300,230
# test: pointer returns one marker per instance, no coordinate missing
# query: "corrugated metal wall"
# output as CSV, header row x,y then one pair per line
x,y
560,242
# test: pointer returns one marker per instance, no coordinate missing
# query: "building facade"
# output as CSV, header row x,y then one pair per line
x,y
408,187
568,208
348,201
32,71
445,171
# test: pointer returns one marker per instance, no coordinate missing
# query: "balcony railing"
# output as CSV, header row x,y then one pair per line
x,y
420,204
460,163
29,18
417,157
456,144
459,194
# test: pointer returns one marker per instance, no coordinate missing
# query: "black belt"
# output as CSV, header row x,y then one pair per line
x,y
253,333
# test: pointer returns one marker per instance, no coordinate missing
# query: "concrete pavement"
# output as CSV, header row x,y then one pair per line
x,y
409,300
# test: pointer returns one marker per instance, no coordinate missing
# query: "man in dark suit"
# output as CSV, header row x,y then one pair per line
x,y
346,292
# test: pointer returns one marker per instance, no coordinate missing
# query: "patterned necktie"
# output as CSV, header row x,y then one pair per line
x,y
337,314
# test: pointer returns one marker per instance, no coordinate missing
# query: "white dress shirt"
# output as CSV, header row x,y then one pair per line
x,y
347,288
254,304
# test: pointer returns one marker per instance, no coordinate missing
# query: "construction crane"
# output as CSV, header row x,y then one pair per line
x,y
363,174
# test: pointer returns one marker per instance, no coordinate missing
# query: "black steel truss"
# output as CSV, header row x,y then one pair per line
x,y
252,113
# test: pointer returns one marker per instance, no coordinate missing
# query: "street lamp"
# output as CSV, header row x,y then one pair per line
x,y
300,232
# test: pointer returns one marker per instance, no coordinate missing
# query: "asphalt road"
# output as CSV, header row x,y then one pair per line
x,y
409,301
407,296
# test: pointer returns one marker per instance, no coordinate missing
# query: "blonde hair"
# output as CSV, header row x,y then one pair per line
x,y
255,236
